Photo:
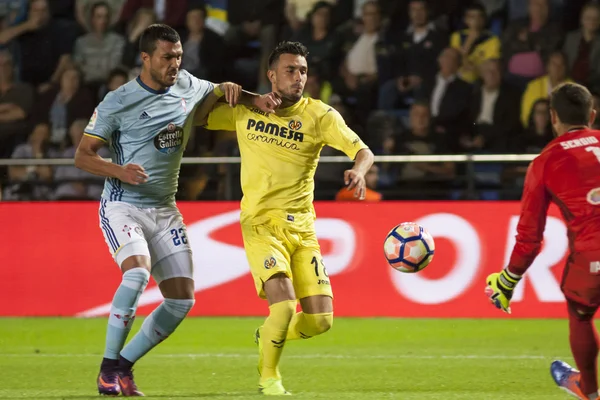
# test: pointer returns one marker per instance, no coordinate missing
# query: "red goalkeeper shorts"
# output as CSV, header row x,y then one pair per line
x,y
581,278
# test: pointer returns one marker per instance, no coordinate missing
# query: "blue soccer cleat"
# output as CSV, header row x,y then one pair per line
x,y
567,378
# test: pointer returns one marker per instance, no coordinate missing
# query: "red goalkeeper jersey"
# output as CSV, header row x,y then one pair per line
x,y
567,173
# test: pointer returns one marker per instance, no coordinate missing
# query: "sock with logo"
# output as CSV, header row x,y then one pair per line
x,y
305,326
273,334
156,327
122,313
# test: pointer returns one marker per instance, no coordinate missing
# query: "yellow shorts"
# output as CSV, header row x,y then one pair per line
x,y
272,249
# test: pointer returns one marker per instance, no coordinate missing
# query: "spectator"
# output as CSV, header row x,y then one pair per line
x,y
582,48
203,54
31,182
421,139
299,12
449,98
542,87
117,78
45,46
475,43
170,12
494,112
63,104
143,18
73,183
16,103
415,58
357,79
83,9
251,38
539,130
528,42
317,36
316,88
371,194
99,51
216,15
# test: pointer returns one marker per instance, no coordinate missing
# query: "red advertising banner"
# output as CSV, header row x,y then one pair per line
x,y
54,261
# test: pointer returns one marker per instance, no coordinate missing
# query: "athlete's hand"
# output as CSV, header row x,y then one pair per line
x,y
500,287
267,102
355,180
232,92
133,174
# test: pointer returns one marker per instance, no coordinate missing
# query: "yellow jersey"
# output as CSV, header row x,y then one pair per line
x,y
279,154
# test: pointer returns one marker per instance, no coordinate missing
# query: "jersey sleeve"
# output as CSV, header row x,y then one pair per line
x,y
532,222
338,135
201,87
222,118
105,120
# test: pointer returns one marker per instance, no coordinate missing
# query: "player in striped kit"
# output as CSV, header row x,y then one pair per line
x,y
145,122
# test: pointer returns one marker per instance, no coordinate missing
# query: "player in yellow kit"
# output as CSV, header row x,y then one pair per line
x,y
279,153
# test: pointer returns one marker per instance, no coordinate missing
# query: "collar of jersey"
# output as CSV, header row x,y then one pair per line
x,y
148,88
293,109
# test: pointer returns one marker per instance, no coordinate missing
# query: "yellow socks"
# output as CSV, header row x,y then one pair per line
x,y
273,335
305,326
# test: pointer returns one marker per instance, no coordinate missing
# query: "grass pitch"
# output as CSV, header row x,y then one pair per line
x,y
215,358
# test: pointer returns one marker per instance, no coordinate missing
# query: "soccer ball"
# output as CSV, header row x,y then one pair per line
x,y
409,247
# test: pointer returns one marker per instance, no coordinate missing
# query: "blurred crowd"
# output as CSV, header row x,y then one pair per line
x,y
409,76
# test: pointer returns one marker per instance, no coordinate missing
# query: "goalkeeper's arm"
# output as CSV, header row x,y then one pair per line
x,y
530,232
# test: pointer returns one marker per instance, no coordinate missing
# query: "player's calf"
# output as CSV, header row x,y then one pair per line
x,y
584,345
120,321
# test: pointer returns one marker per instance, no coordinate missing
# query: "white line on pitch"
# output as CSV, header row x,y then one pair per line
x,y
306,356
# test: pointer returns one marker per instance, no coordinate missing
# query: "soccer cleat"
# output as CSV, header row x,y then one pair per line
x,y
128,386
567,378
108,383
272,387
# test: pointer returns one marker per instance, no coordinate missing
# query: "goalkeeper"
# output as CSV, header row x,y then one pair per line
x,y
567,173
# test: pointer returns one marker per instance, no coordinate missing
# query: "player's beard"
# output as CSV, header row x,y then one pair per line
x,y
160,79
289,97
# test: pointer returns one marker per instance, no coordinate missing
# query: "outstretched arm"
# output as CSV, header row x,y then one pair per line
x,y
530,233
354,178
233,94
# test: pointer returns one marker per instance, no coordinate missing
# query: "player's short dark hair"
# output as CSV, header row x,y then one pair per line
x,y
287,47
572,103
154,33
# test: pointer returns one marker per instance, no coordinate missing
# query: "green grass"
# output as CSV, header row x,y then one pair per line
x,y
215,358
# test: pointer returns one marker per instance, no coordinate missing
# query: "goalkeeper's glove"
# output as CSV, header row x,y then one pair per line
x,y
500,288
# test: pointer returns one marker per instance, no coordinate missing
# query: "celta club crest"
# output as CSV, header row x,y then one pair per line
x,y
295,125
127,230
270,262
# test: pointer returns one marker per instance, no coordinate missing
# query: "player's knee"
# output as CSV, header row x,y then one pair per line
x,y
320,323
581,312
137,278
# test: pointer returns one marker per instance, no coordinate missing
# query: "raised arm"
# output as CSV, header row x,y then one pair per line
x,y
232,93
